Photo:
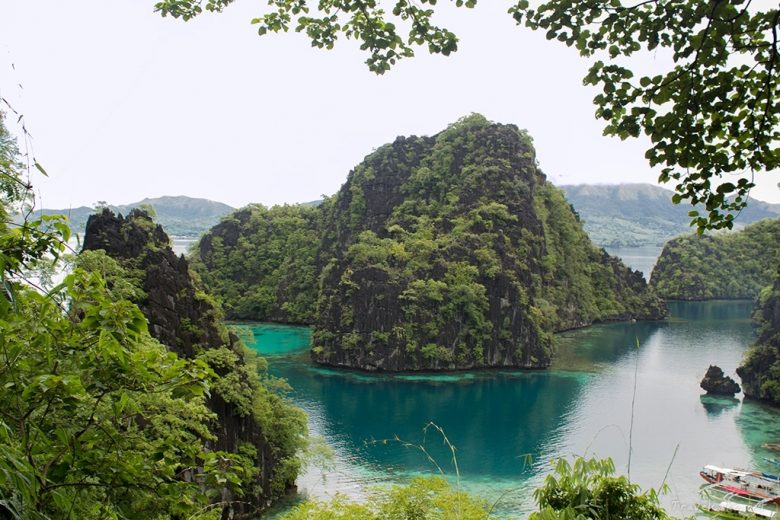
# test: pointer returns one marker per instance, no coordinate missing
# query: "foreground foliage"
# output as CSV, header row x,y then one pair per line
x,y
99,419
713,112
588,488
583,490
422,498
725,265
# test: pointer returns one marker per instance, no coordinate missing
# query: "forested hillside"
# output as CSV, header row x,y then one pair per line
x,y
180,216
634,215
736,264
450,251
261,263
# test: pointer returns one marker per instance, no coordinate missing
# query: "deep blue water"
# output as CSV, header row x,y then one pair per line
x,y
508,425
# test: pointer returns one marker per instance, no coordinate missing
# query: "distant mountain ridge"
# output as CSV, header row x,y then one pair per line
x,y
634,215
179,215
614,215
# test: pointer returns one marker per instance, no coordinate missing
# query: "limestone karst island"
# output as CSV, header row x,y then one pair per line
x,y
461,261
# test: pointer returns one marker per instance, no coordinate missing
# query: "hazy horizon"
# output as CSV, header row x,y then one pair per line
x,y
134,201
123,104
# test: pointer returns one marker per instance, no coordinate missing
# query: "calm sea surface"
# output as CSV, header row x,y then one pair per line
x,y
507,426
639,258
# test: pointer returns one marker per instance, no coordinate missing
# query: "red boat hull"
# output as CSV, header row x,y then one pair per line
x,y
726,485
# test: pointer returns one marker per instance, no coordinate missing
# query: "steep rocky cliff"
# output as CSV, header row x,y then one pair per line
x,y
252,423
453,252
731,265
443,252
760,370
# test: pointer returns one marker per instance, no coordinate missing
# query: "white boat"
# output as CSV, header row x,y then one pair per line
x,y
734,506
748,484
729,509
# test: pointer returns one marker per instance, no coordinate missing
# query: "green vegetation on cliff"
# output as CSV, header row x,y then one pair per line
x,y
261,433
724,265
635,215
760,369
455,252
441,252
260,263
98,418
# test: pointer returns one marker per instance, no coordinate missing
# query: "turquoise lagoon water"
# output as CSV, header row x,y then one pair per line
x,y
507,426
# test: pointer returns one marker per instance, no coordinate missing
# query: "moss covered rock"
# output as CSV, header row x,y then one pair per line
x,y
760,370
259,430
454,252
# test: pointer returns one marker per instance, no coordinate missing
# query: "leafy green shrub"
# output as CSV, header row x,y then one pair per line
x,y
588,489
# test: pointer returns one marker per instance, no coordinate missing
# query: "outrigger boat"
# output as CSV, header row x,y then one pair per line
x,y
728,508
736,510
747,484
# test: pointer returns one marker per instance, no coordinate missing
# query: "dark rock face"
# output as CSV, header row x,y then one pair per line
x,y
186,322
760,370
454,252
715,382
177,317
438,253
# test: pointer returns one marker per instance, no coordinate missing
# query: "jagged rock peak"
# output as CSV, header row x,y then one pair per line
x,y
185,319
454,252
179,317
716,382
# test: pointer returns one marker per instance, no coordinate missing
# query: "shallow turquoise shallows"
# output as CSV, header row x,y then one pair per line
x,y
507,425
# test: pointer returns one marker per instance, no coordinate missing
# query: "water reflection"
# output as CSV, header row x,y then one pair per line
x,y
493,419
704,313
716,405
759,425
602,390
600,345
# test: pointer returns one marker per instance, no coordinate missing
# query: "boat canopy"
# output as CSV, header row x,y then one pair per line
x,y
725,471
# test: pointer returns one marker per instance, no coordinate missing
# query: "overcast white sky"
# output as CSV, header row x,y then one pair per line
x,y
123,104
